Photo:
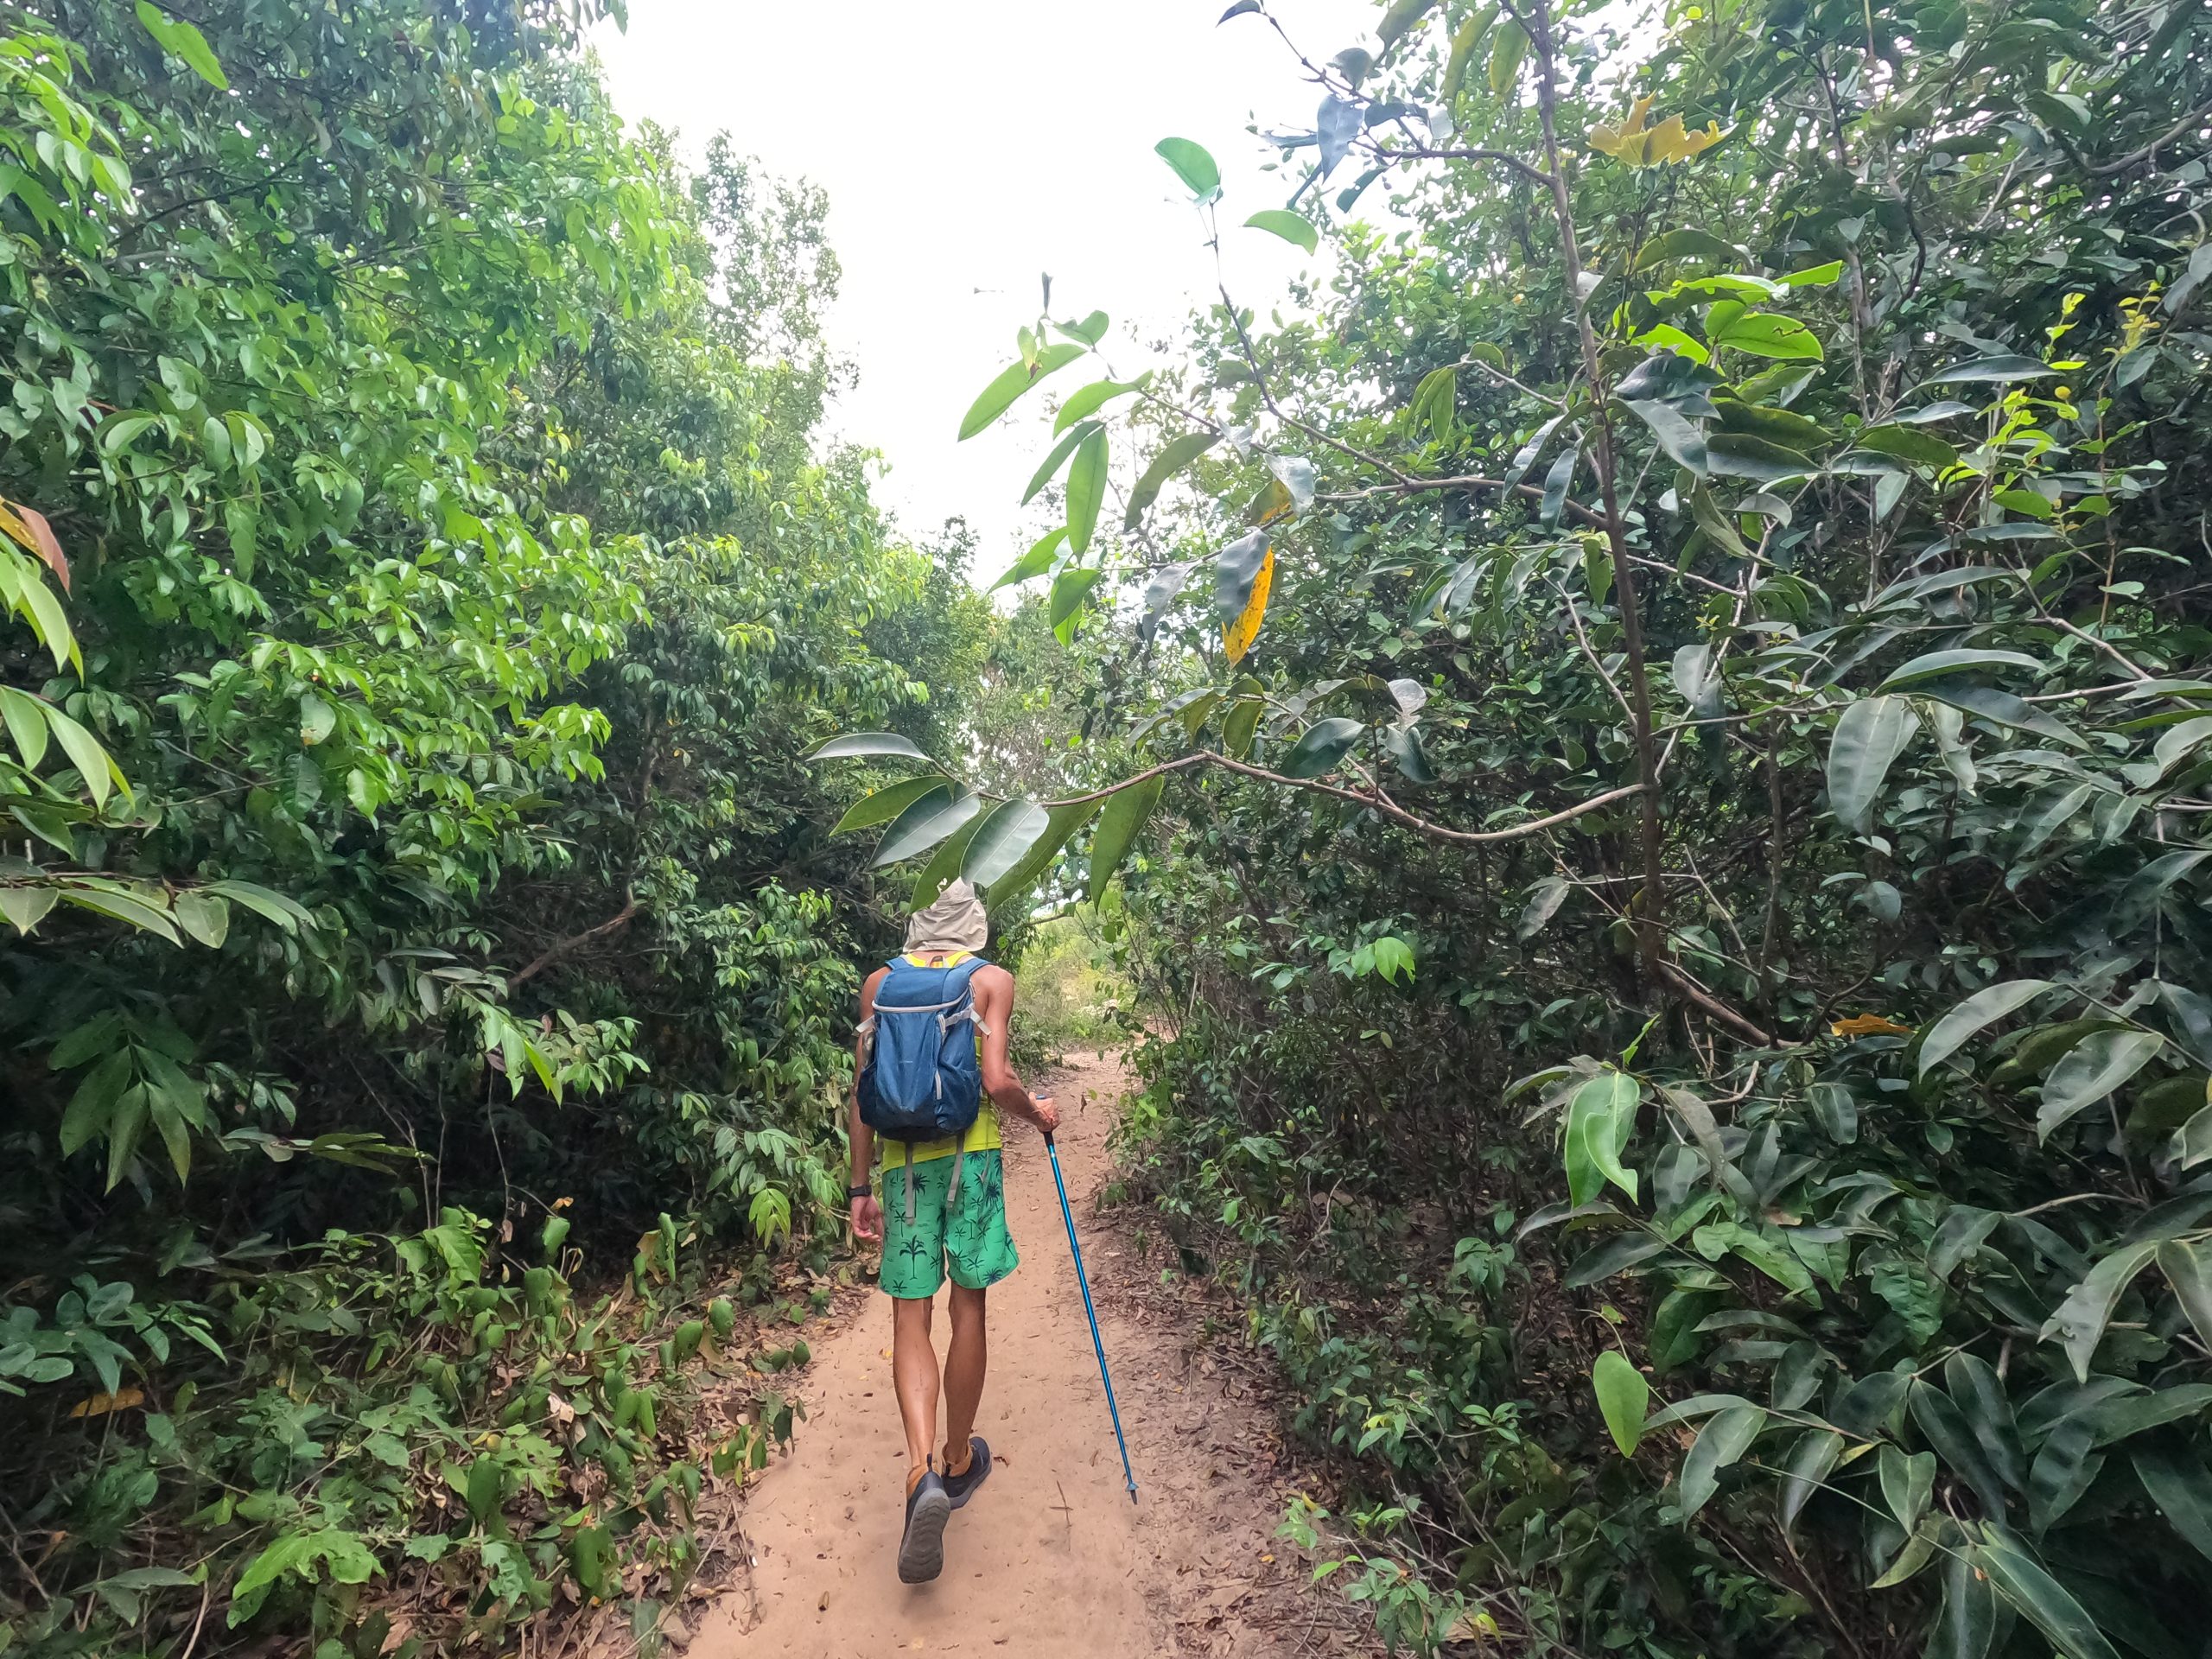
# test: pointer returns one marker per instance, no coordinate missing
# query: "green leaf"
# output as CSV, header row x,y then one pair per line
x,y
85,753
1119,825
1035,562
1810,1466
1013,380
1193,165
1967,1623
2023,1583
1093,397
181,40
1872,735
1179,453
887,804
1002,839
26,906
1769,334
1070,588
1507,48
25,718
861,745
1908,1482
924,823
1600,1119
1086,490
943,865
2098,1064
2187,1263
1291,227
205,916
2081,1319
2177,1484
1938,1418
1677,436
1053,464
2002,708
1993,1002
1909,443
1691,244
1326,742
1064,821
2003,367
271,906
1938,663
1836,1110
1721,1443
1622,1396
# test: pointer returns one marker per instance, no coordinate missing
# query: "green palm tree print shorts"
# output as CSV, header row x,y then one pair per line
x,y
969,1236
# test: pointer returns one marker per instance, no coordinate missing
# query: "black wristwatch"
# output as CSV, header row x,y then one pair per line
x,y
852,1193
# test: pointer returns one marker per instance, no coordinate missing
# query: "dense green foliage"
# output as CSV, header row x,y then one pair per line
x,y
1706,617
427,575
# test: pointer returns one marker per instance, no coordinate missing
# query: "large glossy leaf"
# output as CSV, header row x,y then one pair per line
x,y
1872,735
2081,1319
1016,882
1622,1396
1236,571
1070,588
1119,825
1325,743
1338,124
868,745
887,804
1086,490
1938,1417
1992,1003
1178,454
1767,334
2098,1064
1012,381
927,822
943,864
2022,1581
1720,1445
1002,838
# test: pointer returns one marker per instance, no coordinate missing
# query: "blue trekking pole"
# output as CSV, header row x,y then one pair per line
x,y
1075,1250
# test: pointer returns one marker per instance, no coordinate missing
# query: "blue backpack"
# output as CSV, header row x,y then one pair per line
x,y
921,1079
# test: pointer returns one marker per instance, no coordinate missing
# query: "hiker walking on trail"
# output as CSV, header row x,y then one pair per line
x,y
931,1078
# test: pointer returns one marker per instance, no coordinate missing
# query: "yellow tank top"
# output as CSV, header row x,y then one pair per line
x,y
982,1135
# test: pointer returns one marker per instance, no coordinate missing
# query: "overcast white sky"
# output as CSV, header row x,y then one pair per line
x,y
966,147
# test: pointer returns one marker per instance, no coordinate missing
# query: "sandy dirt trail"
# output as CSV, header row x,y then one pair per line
x,y
1050,1560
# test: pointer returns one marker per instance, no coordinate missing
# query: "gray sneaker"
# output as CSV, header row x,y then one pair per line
x,y
921,1551
963,1487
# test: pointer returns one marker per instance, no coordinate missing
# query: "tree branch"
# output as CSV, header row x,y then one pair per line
x,y
1378,804
554,952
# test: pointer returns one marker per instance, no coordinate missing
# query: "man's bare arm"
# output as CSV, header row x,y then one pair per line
x,y
995,1001
867,1213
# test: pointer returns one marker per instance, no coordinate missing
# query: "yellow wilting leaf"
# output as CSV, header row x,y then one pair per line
x,y
100,1404
1473,1625
1236,640
1869,1025
1640,145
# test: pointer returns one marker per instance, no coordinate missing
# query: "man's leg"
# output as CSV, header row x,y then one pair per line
x,y
913,1369
964,1377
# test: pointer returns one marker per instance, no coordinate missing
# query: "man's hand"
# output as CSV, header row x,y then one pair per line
x,y
1045,1114
868,1219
